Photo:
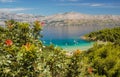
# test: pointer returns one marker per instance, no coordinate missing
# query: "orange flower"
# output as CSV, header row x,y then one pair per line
x,y
90,70
77,52
10,26
27,46
8,42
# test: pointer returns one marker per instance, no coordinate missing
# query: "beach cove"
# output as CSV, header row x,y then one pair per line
x,y
70,44
67,37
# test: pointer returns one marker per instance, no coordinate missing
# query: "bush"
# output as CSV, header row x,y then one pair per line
x,y
105,60
22,54
19,50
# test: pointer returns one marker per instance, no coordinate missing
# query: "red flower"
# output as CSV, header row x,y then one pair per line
x,y
42,23
90,70
8,42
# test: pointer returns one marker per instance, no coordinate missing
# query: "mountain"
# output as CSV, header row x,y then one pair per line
x,y
68,15
68,18
79,16
74,18
60,16
21,17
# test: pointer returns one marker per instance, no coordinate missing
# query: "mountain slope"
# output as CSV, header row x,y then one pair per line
x,y
68,18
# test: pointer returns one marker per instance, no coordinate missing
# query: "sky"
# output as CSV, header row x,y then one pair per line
x,y
50,7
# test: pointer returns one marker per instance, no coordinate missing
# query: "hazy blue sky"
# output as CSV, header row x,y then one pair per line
x,y
48,7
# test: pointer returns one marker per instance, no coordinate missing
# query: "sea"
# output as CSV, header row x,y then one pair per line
x,y
66,37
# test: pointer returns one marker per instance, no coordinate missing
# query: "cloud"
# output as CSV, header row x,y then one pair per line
x,y
72,0
96,4
105,5
67,0
5,1
74,4
13,9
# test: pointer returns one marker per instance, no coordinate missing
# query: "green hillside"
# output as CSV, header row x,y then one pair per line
x,y
22,54
111,35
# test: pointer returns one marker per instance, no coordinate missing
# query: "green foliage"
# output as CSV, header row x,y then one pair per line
x,y
22,54
111,35
105,60
18,50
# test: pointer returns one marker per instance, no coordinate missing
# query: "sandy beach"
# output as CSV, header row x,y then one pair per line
x,y
82,47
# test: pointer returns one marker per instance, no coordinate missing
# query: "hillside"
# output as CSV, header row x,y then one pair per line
x,y
111,35
22,54
61,17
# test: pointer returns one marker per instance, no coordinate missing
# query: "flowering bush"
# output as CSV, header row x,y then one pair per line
x,y
8,42
19,51
22,54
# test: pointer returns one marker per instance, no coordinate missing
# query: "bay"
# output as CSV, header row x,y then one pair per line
x,y
67,37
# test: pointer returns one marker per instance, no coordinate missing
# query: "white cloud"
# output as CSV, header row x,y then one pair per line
x,y
96,4
81,4
73,0
13,9
68,0
105,5
5,1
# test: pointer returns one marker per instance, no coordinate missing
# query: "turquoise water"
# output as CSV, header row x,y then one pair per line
x,y
67,37
70,44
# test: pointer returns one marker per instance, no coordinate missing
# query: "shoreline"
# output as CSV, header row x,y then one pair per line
x,y
82,47
83,37
88,38
97,41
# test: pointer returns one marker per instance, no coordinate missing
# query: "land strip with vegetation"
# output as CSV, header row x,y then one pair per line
x,y
22,54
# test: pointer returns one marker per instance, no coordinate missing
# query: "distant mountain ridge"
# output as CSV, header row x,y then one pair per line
x,y
61,17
